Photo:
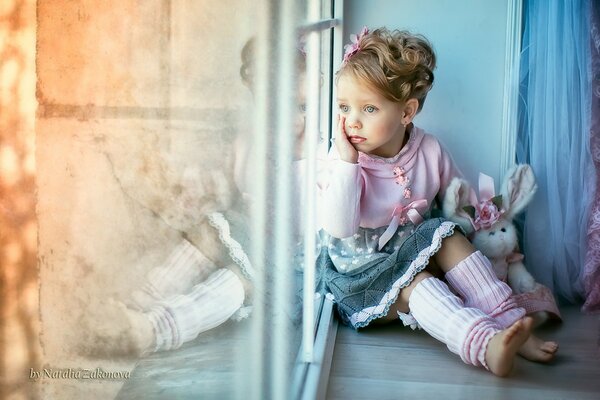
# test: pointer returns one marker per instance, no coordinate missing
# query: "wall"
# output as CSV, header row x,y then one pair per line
x,y
19,328
465,107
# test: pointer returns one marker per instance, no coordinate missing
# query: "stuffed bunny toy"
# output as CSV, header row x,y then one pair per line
x,y
488,223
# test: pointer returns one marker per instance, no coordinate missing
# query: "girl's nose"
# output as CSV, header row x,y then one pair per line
x,y
353,123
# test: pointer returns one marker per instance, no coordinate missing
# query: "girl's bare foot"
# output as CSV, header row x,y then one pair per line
x,y
535,349
503,347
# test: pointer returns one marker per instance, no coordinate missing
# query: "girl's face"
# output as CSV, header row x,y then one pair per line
x,y
373,124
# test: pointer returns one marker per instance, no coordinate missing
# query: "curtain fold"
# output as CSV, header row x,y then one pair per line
x,y
591,273
554,132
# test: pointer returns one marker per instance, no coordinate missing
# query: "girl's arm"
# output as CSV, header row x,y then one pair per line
x,y
340,213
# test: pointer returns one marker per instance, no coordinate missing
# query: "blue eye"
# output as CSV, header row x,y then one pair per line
x,y
370,109
344,108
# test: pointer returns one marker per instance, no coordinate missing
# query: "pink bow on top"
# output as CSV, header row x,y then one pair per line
x,y
488,211
353,48
401,216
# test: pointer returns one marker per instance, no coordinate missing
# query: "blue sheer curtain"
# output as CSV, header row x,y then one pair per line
x,y
554,126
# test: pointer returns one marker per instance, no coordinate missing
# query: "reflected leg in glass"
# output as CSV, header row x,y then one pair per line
x,y
185,267
122,331
182,318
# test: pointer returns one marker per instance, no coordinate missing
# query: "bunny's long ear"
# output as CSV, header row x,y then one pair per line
x,y
518,189
458,195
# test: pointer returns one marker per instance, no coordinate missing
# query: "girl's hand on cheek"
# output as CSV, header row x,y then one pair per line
x,y
347,151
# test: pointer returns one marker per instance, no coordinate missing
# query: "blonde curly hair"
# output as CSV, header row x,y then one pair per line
x,y
248,55
397,64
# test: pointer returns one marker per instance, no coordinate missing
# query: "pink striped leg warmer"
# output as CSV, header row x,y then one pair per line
x,y
185,267
476,282
466,331
181,318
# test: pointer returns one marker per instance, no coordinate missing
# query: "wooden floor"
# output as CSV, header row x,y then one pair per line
x,y
384,362
392,362
209,367
201,369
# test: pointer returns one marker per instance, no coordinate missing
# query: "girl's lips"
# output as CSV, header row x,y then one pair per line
x,y
356,139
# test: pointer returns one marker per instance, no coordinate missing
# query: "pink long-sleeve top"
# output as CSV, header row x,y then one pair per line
x,y
366,194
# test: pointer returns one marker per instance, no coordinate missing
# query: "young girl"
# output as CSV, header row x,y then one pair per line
x,y
387,256
207,277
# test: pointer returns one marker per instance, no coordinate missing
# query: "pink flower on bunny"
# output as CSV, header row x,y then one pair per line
x,y
486,214
488,222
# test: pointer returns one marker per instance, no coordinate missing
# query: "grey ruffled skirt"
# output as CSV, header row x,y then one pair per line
x,y
366,281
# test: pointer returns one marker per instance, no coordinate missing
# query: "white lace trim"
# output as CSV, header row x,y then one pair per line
x,y
409,320
242,313
418,264
237,254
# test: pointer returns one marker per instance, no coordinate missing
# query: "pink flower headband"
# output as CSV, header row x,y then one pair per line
x,y
353,48
489,209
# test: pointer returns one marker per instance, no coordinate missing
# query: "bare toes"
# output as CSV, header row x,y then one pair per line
x,y
503,347
549,347
535,349
511,331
